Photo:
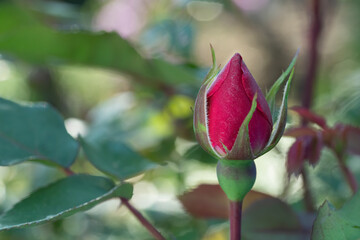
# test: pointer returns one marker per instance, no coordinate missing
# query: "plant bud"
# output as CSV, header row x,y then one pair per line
x,y
222,106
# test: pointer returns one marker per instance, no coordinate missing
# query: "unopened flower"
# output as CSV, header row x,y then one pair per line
x,y
232,119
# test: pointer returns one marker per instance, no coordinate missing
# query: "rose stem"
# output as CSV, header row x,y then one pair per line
x,y
350,178
315,31
235,219
156,234
307,193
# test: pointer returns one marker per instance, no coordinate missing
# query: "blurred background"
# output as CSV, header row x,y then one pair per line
x,y
131,69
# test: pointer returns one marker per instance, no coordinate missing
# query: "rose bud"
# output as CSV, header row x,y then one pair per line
x,y
232,118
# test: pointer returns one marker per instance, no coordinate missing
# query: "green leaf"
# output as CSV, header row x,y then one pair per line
x,y
113,157
107,50
280,123
61,199
271,95
34,132
351,209
343,224
241,149
272,219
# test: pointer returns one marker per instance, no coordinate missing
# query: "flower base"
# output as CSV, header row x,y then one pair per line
x,y
236,177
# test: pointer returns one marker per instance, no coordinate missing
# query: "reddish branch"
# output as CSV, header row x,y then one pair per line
x,y
235,220
350,178
156,234
341,139
314,38
315,30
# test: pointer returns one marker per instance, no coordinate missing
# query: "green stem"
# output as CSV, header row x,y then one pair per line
x,y
236,178
235,220
309,203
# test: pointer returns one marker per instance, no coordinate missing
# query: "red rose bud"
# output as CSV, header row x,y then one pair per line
x,y
229,100
232,119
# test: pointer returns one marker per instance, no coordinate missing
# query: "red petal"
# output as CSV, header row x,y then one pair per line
x,y
229,101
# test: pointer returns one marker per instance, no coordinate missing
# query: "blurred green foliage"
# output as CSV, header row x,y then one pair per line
x,y
135,82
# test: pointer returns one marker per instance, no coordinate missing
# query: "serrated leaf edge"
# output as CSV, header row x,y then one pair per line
x,y
82,207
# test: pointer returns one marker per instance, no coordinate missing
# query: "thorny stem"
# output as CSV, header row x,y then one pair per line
x,y
156,234
350,178
315,31
235,220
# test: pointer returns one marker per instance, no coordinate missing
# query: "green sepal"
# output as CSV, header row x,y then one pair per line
x,y
236,177
225,147
271,95
200,111
241,149
200,122
214,69
280,123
